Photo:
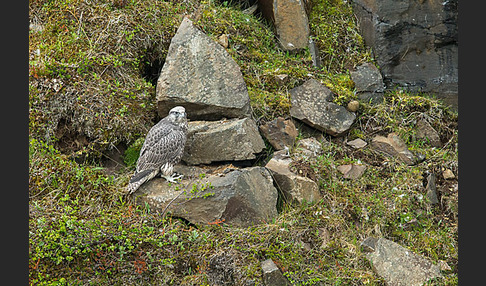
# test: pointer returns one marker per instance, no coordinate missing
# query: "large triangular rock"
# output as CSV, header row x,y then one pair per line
x,y
311,104
200,75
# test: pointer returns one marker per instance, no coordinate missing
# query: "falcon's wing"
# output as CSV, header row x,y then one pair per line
x,y
164,144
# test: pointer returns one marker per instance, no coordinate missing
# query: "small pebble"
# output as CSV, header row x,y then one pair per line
x,y
448,174
353,105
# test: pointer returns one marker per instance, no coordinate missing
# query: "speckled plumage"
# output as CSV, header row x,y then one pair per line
x,y
162,149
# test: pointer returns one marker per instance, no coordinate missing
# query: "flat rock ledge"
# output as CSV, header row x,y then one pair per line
x,y
219,141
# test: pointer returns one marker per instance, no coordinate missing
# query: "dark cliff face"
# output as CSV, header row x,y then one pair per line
x,y
415,43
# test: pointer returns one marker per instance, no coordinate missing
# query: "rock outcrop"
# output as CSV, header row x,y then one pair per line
x,y
414,43
192,77
239,197
311,104
225,140
398,265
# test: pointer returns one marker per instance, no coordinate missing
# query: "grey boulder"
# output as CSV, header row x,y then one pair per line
x,y
225,140
200,75
398,265
238,197
311,104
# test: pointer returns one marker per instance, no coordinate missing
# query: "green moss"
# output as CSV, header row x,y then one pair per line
x,y
133,152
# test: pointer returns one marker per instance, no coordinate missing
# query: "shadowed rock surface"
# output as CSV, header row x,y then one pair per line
x,y
414,43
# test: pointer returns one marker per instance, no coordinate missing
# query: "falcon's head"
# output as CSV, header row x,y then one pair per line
x,y
178,115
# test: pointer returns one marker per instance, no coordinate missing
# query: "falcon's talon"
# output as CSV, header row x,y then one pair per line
x,y
174,178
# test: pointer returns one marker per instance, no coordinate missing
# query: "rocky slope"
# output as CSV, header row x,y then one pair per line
x,y
355,184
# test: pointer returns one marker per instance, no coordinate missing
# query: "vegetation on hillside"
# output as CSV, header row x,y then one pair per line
x,y
92,73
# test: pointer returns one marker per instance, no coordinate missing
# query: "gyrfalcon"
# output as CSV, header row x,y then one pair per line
x,y
162,149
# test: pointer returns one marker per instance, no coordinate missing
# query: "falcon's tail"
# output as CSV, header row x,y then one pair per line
x,y
139,178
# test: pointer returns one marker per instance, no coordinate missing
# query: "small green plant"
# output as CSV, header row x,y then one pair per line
x,y
200,190
133,152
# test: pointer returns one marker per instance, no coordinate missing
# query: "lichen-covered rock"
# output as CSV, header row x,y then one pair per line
x,y
200,75
240,197
310,104
226,140
398,265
